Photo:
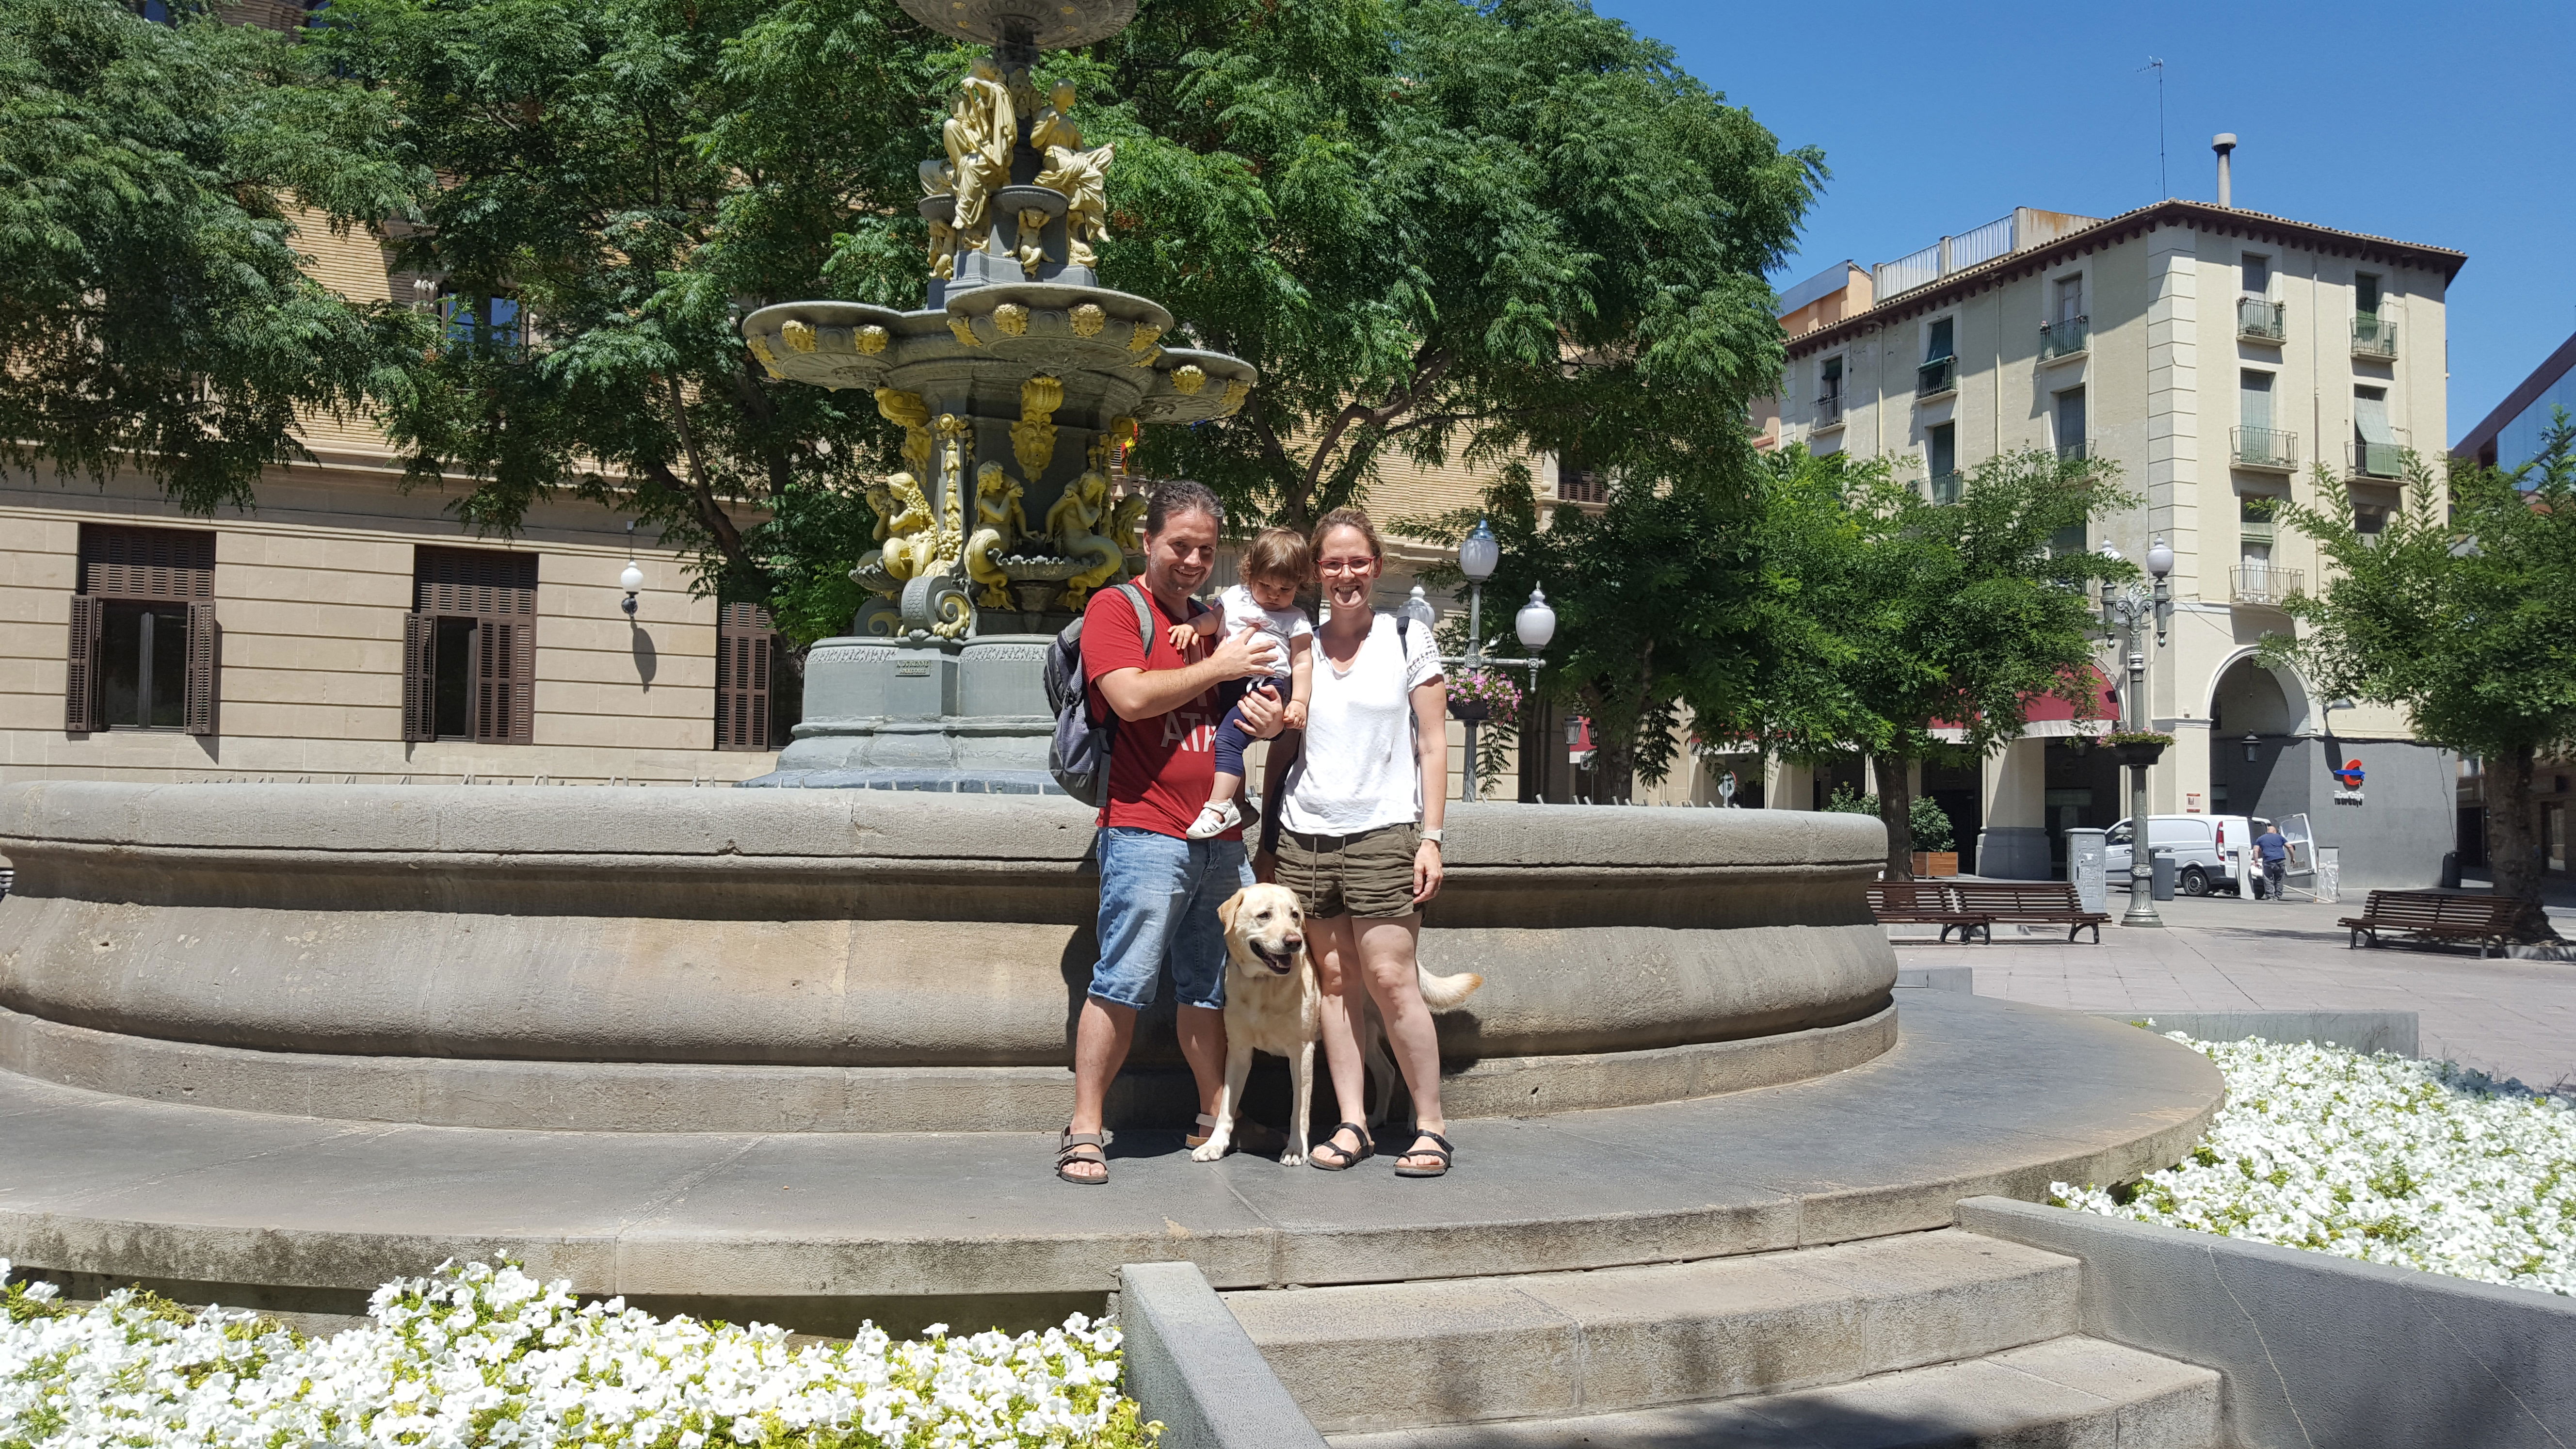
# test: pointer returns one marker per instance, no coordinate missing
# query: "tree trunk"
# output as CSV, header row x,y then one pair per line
x,y
1896,812
2513,850
1614,767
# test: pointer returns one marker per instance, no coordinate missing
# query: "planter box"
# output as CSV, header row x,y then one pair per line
x,y
1928,863
2138,756
1471,711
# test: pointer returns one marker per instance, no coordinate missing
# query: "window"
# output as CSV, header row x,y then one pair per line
x,y
2070,299
2257,275
2070,424
754,686
470,647
2369,520
481,326
156,11
1829,392
2365,294
1939,372
1942,449
2255,405
2374,443
1581,485
144,644
1937,347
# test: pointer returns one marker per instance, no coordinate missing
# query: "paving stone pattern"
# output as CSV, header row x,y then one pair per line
x,y
2510,1017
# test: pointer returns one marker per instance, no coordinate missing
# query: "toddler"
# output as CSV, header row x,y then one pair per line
x,y
1275,566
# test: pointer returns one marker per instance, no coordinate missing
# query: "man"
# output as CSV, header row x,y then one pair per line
x,y
2274,848
1159,890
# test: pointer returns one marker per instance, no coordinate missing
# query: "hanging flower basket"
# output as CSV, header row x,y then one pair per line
x,y
1477,695
2138,748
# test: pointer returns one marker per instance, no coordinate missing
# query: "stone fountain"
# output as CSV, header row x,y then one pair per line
x,y
1017,385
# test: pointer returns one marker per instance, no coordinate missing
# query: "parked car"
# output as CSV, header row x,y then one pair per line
x,y
2198,844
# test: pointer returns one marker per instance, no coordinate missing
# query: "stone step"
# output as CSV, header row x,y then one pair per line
x,y
2065,1393
1403,1355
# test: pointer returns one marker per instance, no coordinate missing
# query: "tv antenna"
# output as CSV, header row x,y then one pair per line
x,y
2156,64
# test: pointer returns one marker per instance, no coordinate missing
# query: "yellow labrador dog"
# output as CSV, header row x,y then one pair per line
x,y
1273,1004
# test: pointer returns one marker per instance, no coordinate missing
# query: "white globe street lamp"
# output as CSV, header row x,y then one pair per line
x,y
1536,622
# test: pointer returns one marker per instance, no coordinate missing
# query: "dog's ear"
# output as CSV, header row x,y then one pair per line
x,y
1225,912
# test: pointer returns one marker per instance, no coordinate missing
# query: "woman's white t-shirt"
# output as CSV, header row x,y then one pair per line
x,y
1358,769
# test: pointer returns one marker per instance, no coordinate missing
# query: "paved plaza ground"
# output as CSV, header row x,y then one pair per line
x,y
2509,1017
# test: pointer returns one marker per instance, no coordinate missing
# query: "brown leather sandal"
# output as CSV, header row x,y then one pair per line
x,y
1073,1147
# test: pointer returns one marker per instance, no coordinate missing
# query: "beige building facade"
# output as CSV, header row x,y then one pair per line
x,y
2220,357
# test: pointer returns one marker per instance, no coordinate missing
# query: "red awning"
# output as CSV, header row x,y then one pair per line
x,y
2046,716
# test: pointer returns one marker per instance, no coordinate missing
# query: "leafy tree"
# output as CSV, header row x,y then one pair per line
x,y
2467,621
152,182
1450,229
1927,617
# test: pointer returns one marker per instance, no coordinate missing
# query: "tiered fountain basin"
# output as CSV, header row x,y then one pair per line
x,y
841,961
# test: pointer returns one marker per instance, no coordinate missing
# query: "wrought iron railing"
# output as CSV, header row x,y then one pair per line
x,y
2065,339
2266,449
1936,377
1582,485
2262,321
2385,462
2263,583
1946,487
2075,452
1829,411
2374,337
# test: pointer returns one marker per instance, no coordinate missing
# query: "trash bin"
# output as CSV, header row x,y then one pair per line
x,y
2161,862
2450,870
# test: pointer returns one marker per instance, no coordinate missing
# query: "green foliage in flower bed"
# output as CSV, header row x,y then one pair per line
x,y
1932,828
480,1356
2387,1159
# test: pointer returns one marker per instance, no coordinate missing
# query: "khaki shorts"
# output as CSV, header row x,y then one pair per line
x,y
1368,875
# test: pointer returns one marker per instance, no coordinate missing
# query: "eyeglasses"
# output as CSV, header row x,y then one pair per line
x,y
1345,565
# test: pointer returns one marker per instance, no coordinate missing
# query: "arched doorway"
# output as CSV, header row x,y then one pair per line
x,y
2272,707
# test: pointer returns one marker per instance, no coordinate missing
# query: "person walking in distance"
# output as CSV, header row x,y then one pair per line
x,y
2273,849
1159,889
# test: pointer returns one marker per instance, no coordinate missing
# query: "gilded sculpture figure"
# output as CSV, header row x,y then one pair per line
x,y
907,411
978,136
1054,125
1083,177
1033,224
999,521
1033,436
938,178
905,528
1075,524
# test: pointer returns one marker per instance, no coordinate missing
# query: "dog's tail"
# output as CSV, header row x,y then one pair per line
x,y
1446,993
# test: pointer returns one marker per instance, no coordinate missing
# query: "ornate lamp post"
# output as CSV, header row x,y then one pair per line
x,y
1478,554
2127,612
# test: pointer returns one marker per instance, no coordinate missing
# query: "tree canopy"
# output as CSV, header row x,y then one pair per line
x,y
2466,618
155,313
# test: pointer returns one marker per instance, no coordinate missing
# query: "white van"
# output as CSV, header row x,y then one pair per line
x,y
2201,846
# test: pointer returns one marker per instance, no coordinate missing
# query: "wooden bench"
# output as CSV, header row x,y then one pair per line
x,y
2049,903
2435,916
1923,903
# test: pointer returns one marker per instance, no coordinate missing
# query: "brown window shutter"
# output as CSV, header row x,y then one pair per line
x,y
523,682
491,664
80,682
205,657
743,647
118,561
420,677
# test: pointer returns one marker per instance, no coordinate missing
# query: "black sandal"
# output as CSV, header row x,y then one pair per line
x,y
1072,1147
1442,1152
1367,1149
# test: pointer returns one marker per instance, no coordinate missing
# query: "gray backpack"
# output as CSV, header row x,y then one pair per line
x,y
1079,755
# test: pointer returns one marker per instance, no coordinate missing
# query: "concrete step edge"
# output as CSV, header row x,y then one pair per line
x,y
1394,1356
2067,1391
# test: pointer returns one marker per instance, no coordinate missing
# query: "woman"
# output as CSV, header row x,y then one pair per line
x,y
1360,838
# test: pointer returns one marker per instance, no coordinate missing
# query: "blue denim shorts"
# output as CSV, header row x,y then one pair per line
x,y
1158,900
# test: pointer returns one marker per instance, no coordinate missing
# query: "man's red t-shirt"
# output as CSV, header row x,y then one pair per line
x,y
1163,766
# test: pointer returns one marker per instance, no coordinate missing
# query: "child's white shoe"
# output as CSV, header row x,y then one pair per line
x,y
1215,819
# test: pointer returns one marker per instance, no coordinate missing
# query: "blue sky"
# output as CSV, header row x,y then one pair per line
x,y
2451,125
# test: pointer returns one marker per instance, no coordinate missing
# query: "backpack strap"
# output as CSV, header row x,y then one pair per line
x,y
1144,613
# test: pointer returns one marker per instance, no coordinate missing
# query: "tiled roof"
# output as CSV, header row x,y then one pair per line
x,y
2199,215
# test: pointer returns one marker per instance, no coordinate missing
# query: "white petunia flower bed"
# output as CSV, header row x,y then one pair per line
x,y
2387,1159
480,1356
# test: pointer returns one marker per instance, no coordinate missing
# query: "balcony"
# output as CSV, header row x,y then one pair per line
x,y
2065,339
2263,584
2261,321
1582,485
2374,338
2265,450
1829,412
2374,462
1947,487
2075,452
1937,378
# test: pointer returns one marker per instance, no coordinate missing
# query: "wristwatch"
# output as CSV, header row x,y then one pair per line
x,y
1434,837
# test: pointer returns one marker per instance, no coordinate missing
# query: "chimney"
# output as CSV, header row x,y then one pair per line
x,y
2222,143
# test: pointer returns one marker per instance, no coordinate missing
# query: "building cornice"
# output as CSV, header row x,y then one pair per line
x,y
2199,216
